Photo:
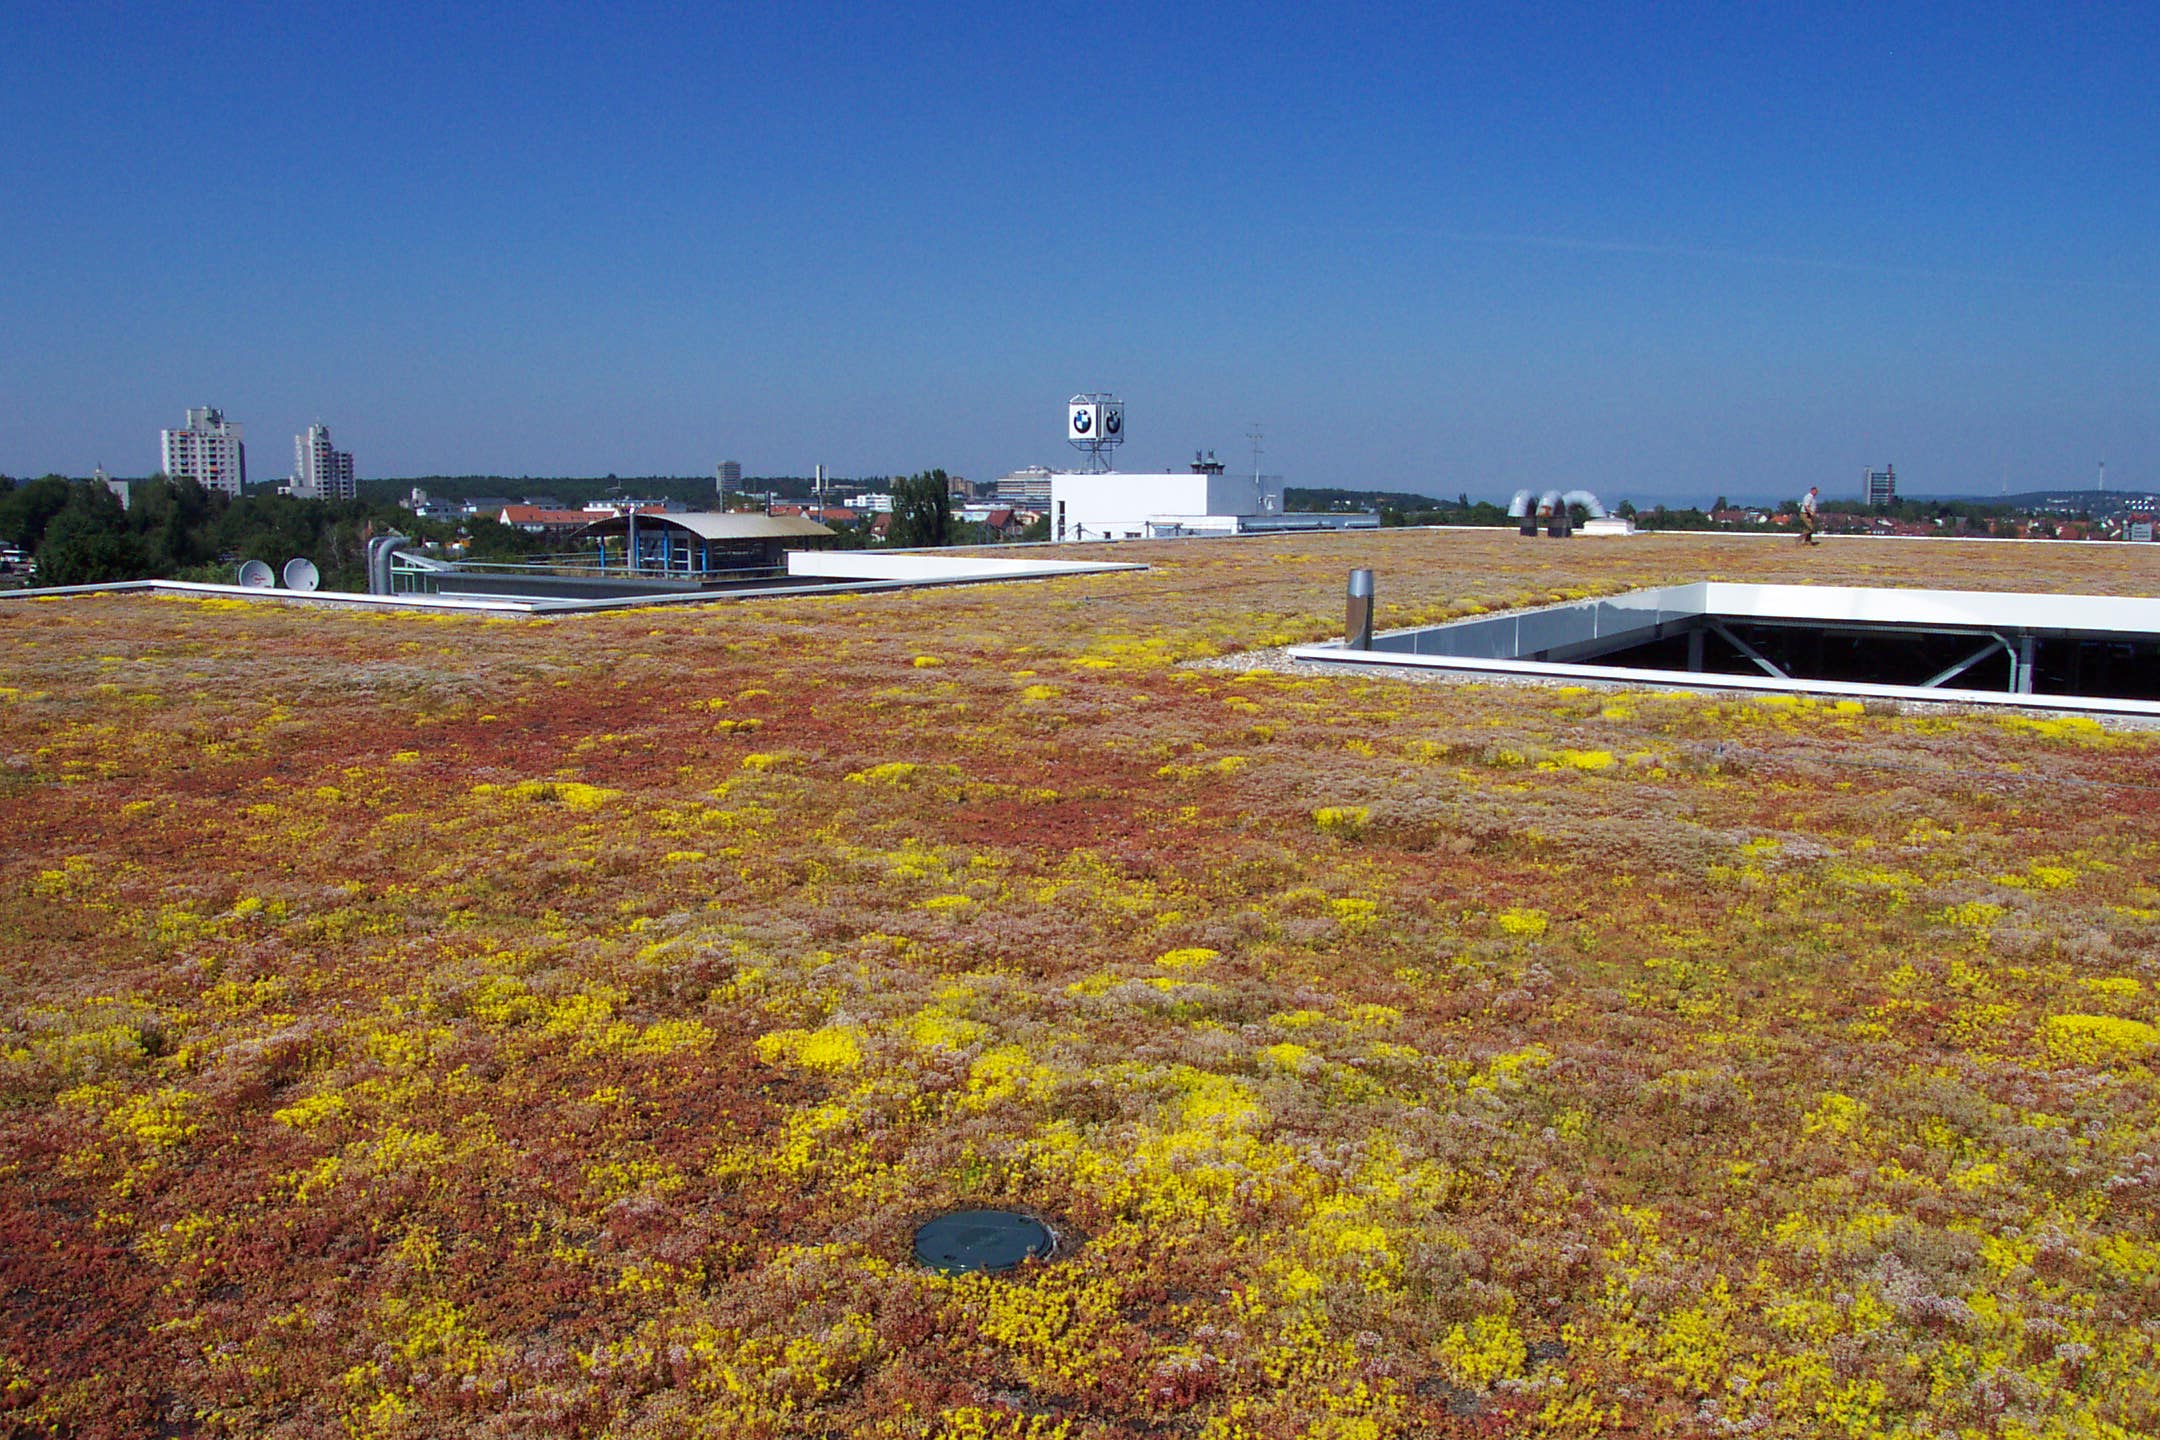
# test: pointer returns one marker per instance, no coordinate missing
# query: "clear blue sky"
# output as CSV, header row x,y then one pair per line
x,y
1728,248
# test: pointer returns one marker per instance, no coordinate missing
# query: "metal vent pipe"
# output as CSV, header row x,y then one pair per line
x,y
379,550
1357,623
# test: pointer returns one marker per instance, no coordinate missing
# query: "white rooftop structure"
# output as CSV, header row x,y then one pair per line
x,y
1121,505
709,525
1202,499
1127,505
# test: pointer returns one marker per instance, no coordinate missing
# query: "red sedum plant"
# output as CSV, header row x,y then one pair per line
x,y
416,1025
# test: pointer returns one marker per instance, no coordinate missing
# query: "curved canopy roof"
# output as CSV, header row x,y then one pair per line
x,y
712,525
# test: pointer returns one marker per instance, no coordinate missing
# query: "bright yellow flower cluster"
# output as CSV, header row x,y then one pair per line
x,y
831,1048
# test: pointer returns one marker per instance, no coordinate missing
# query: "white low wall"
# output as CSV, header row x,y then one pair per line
x,y
333,598
930,566
869,570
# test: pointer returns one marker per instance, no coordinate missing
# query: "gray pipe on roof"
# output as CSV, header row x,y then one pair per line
x,y
379,550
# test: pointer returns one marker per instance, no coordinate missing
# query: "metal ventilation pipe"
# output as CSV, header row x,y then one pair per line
x,y
1357,622
379,550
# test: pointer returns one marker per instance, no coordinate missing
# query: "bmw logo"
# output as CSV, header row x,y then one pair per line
x,y
1114,421
1081,421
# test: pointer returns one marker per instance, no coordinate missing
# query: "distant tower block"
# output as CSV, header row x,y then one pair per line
x,y
1095,426
727,476
1882,486
208,452
320,470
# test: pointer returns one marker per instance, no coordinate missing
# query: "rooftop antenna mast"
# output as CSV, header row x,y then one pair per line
x,y
2103,477
1254,436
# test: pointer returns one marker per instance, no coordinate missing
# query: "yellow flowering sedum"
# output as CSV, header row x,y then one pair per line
x,y
1343,820
1190,958
1523,924
630,1096
570,794
832,1048
2098,1039
1487,1349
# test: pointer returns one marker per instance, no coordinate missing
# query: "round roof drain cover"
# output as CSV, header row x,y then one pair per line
x,y
981,1240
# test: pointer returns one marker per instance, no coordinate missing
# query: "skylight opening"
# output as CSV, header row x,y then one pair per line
x,y
2071,652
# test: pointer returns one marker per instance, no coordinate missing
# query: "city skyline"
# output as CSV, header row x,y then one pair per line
x,y
322,472
1646,257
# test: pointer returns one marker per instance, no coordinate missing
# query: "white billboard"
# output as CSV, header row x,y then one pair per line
x,y
1083,420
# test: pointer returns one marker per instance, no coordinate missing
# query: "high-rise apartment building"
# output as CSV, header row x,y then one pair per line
x,y
121,490
1882,486
1027,486
208,452
319,471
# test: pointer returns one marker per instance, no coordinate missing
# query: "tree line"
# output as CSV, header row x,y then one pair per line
x,y
79,534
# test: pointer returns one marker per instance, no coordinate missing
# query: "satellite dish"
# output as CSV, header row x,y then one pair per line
x,y
301,574
257,576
